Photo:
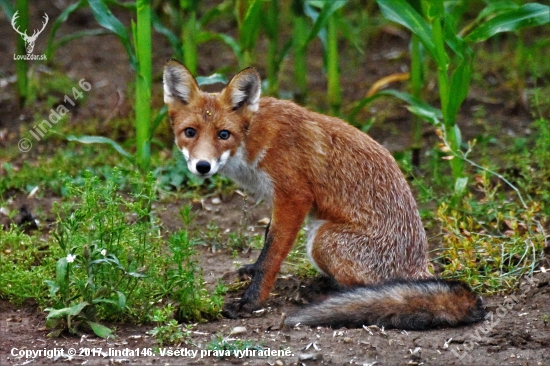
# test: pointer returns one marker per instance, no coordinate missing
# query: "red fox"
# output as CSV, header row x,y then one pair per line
x,y
364,230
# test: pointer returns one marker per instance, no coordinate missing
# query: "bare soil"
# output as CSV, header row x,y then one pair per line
x,y
517,334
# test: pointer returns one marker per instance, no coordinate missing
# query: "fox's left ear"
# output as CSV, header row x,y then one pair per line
x,y
244,89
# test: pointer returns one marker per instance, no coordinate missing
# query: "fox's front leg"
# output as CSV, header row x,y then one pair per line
x,y
288,215
248,269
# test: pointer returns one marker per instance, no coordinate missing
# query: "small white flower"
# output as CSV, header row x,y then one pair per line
x,y
104,252
71,258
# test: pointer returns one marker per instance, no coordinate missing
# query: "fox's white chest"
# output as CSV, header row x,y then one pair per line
x,y
248,174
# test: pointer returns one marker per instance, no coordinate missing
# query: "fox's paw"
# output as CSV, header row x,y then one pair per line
x,y
238,309
247,271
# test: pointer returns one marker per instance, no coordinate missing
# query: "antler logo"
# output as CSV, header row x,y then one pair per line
x,y
29,40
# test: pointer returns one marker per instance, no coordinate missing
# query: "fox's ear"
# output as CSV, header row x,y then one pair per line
x,y
179,84
244,89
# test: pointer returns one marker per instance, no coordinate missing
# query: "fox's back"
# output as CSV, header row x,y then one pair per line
x,y
352,177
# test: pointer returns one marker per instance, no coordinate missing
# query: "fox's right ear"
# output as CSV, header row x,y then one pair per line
x,y
179,84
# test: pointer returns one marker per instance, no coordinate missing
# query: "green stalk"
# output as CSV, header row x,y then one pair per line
x,y
190,42
333,74
272,67
416,85
444,91
143,84
21,66
299,39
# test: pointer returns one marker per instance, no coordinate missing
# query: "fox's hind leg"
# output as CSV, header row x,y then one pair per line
x,y
355,257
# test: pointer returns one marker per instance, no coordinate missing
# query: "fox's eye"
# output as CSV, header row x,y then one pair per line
x,y
224,134
190,132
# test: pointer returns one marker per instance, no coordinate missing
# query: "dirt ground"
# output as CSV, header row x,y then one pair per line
x,y
517,333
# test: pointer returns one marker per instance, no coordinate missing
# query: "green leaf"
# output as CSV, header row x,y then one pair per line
x,y
460,78
121,300
76,35
321,18
425,114
458,135
102,300
54,287
399,11
57,23
100,330
249,27
101,140
136,274
212,79
170,36
460,186
7,7
416,106
228,40
71,311
158,119
61,270
106,19
529,15
496,7
211,14
434,9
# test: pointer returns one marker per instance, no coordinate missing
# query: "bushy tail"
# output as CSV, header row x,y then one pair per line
x,y
402,304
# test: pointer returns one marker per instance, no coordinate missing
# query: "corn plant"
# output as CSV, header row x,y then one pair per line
x,y
452,53
299,37
325,24
21,68
139,55
142,34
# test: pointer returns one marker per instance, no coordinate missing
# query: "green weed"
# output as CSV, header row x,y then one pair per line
x,y
490,239
184,283
107,242
168,331
25,263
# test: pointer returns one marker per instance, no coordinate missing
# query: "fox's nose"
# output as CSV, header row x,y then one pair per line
x,y
203,166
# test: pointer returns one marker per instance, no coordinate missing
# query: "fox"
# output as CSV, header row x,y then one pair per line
x,y
364,229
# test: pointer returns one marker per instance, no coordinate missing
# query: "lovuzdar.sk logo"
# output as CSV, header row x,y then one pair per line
x,y
29,40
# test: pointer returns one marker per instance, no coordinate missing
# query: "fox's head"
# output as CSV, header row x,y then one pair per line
x,y
209,127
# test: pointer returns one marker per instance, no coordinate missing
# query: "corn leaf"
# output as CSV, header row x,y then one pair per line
x,y
434,9
418,107
212,79
57,23
227,39
460,79
495,8
528,15
170,36
320,18
101,140
248,33
399,11
7,7
106,19
158,119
